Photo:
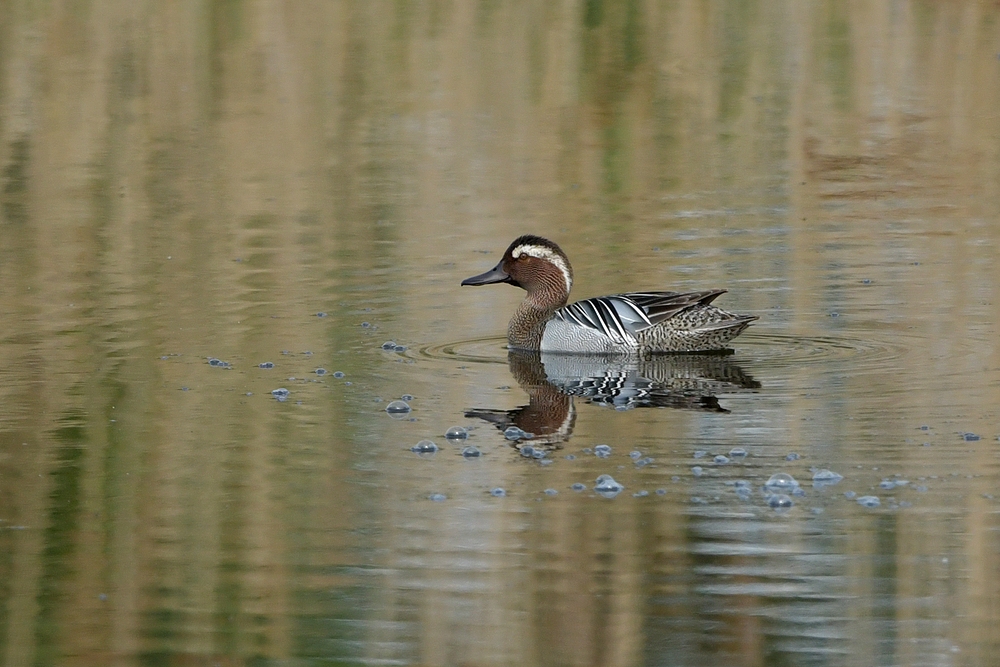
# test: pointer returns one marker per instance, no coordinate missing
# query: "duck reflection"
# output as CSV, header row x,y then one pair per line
x,y
688,381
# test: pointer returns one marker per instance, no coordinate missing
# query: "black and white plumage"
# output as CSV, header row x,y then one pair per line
x,y
638,322
657,321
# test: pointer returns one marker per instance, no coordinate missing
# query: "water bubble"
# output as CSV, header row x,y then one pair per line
x,y
608,487
661,492
388,345
339,374
866,281
514,433
642,463
265,365
406,397
280,394
780,482
539,453
737,453
424,447
398,408
887,484
792,457
366,325
602,451
551,492
218,363
850,494
825,477
779,501
471,452
970,437
321,314
721,460
700,454
570,457
697,471
640,494
634,455
869,501
320,371
527,451
834,314
498,492
399,348
437,497
924,427
456,433
578,487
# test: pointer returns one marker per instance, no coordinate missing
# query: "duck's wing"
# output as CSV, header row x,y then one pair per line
x,y
622,316
659,306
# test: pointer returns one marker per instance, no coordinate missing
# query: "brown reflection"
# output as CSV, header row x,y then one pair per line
x,y
686,381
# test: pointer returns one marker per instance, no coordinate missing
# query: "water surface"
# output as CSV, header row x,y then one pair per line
x,y
298,184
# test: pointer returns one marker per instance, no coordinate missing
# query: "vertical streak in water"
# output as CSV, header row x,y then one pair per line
x,y
885,595
59,537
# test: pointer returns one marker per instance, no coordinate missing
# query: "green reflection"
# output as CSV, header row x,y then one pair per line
x,y
738,47
838,55
14,196
59,537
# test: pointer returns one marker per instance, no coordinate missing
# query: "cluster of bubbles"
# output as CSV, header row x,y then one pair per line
x,y
515,433
779,489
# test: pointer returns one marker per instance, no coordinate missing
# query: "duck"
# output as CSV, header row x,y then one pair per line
x,y
634,323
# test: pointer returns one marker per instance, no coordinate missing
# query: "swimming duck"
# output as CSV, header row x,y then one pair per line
x,y
637,322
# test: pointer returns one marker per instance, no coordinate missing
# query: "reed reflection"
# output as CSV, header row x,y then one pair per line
x,y
552,381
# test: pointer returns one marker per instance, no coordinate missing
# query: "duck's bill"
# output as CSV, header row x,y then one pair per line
x,y
494,275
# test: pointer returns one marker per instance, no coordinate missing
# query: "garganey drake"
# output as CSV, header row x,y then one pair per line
x,y
633,323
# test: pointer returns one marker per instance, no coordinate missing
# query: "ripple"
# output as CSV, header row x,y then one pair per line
x,y
760,349
777,350
492,350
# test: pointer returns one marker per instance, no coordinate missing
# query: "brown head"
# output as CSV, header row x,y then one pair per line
x,y
536,265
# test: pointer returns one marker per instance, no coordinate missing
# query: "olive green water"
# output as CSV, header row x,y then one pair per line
x,y
184,181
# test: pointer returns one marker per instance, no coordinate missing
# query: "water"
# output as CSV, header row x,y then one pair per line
x,y
283,190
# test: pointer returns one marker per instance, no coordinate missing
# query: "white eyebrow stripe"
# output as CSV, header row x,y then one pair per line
x,y
548,254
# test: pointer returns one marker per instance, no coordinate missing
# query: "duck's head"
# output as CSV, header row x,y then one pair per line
x,y
534,264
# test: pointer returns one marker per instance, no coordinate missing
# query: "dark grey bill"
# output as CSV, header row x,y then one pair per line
x,y
494,275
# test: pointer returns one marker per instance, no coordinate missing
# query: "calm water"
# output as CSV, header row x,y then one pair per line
x,y
299,183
